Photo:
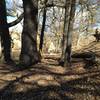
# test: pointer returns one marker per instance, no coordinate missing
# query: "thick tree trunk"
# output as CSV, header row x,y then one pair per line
x,y
4,32
67,57
29,53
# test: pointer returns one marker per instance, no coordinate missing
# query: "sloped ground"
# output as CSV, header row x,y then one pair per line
x,y
49,81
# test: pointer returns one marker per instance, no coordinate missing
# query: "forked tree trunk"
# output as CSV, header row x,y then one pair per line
x,y
4,32
29,53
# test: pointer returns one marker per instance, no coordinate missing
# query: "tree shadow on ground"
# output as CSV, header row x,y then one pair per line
x,y
34,85
48,81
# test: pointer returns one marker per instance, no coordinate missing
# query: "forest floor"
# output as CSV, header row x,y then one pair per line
x,y
50,81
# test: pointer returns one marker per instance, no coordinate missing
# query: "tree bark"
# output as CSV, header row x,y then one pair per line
x,y
29,53
4,32
43,27
67,57
65,29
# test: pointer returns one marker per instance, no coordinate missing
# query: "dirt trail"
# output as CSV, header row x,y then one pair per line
x,y
49,81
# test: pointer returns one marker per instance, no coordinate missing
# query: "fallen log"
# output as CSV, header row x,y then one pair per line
x,y
89,58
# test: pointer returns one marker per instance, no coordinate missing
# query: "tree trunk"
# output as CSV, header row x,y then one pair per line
x,y
4,32
66,21
67,57
29,53
43,27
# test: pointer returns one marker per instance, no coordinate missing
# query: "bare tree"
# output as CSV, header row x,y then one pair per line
x,y
67,57
43,26
65,29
